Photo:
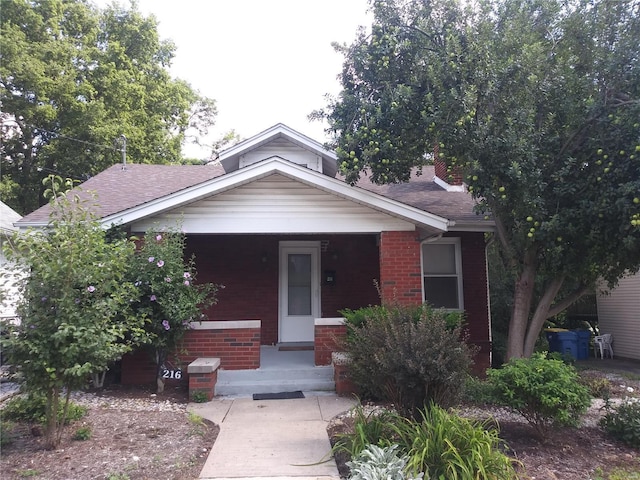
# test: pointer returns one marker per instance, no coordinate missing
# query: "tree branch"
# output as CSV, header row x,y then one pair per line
x,y
567,301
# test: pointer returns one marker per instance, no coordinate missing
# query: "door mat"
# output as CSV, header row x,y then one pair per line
x,y
294,348
278,396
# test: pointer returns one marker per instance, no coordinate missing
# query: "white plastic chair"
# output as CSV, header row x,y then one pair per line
x,y
603,344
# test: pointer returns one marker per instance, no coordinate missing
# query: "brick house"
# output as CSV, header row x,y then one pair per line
x,y
294,244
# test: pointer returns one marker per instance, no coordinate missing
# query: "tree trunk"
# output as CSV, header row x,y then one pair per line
x,y
522,298
541,314
98,378
160,359
51,417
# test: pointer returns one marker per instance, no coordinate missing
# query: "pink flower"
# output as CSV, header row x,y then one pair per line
x,y
91,289
151,259
186,282
153,298
165,324
186,275
167,279
160,263
158,238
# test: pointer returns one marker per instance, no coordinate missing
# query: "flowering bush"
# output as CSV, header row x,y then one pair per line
x,y
168,293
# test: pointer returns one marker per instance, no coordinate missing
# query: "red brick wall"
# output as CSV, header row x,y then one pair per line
x,y
251,284
400,270
237,349
401,281
451,175
326,342
355,260
138,368
203,382
475,288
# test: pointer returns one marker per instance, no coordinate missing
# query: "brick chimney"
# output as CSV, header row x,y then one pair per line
x,y
450,175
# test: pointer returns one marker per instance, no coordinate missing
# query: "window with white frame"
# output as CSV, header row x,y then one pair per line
x,y
442,273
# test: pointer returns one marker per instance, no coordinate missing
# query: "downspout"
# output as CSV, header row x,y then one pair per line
x,y
486,263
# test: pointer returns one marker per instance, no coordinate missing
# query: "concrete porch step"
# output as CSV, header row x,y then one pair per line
x,y
273,380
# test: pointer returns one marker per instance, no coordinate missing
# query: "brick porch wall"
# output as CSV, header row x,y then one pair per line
x,y
328,333
235,343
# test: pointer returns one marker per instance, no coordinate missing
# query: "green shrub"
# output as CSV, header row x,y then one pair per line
x,y
82,433
444,445
32,408
199,397
7,434
355,319
598,387
478,391
408,356
373,427
544,392
623,422
376,463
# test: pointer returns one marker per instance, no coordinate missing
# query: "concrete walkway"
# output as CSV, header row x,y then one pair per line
x,y
271,438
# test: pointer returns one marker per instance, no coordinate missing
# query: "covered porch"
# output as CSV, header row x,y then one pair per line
x,y
287,281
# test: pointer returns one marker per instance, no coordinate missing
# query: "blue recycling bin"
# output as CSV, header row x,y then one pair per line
x,y
552,338
584,344
568,343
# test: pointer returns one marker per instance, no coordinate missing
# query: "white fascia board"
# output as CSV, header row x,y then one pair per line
x,y
486,226
295,172
273,132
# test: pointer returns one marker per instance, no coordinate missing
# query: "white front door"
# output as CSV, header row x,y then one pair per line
x,y
299,290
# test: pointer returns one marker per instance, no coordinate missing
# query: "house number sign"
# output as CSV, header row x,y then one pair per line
x,y
175,374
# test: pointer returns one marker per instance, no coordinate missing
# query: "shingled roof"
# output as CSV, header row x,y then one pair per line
x,y
423,193
119,188
123,189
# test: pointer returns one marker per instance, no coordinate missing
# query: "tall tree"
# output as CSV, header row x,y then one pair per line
x,y
76,78
537,102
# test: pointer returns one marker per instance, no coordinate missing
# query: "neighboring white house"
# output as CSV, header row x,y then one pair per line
x,y
9,291
619,315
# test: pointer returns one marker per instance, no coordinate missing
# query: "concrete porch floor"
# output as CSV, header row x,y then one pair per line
x,y
280,371
271,357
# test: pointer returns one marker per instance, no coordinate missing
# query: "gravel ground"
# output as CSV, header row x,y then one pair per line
x,y
134,434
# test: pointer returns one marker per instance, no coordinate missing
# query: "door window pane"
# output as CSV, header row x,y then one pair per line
x,y
299,288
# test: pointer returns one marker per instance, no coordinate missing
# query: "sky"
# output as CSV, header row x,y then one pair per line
x,y
263,61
